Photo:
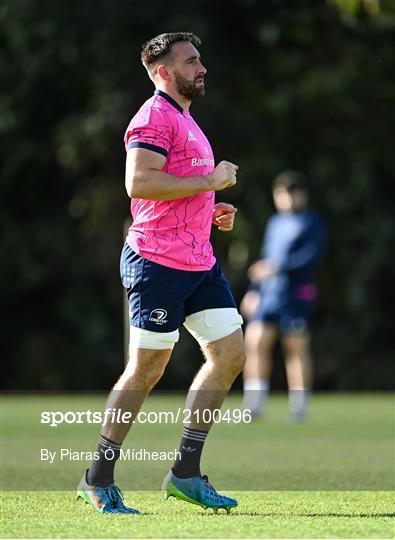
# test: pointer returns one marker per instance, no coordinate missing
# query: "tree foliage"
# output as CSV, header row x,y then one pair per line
x,y
290,84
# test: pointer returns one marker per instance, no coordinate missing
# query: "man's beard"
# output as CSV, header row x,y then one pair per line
x,y
189,89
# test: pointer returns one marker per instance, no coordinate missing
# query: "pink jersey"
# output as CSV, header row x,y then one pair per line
x,y
174,233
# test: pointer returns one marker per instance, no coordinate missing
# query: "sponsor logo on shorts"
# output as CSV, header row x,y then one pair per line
x,y
158,316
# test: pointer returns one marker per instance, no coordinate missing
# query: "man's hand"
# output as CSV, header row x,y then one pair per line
x,y
223,176
261,270
249,304
224,216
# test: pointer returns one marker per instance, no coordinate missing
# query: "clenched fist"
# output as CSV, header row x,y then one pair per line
x,y
224,216
223,176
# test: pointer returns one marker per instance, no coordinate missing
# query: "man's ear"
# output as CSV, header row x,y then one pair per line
x,y
163,72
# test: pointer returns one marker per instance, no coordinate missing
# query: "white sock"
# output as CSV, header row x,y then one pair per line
x,y
255,394
297,400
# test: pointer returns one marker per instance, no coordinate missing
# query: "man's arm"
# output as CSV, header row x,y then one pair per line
x,y
144,178
308,253
263,267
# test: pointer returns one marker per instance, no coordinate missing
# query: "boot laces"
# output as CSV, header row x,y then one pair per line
x,y
115,495
205,478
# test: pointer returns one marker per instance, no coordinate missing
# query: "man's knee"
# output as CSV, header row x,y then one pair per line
x,y
260,339
228,353
237,361
230,363
149,353
296,344
144,372
154,374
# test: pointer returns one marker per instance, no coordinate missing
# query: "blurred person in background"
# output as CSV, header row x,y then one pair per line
x,y
281,295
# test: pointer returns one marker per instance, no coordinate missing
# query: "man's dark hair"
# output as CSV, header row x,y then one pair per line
x,y
160,46
291,181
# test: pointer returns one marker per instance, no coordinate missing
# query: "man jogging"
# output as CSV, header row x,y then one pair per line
x,y
170,272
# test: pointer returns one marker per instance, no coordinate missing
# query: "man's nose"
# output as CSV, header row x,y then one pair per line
x,y
202,69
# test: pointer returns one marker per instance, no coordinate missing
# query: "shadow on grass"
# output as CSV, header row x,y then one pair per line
x,y
315,514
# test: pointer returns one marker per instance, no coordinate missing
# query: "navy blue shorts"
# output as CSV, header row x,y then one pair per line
x,y
293,316
160,297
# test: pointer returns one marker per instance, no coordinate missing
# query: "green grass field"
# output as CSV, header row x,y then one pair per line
x,y
329,477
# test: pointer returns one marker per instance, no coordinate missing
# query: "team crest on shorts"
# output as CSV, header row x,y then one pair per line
x,y
158,316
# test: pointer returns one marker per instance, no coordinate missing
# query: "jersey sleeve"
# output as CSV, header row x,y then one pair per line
x,y
151,129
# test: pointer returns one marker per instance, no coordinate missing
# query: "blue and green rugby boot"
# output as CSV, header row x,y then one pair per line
x,y
196,490
107,500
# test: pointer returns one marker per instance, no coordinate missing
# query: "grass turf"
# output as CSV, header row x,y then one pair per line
x,y
309,480
259,515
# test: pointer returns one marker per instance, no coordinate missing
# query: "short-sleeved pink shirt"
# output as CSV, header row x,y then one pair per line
x,y
174,233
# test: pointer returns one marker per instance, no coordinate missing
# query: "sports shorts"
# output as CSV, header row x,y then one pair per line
x,y
292,316
160,298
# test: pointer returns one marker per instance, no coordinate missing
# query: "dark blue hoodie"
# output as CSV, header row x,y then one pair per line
x,y
293,242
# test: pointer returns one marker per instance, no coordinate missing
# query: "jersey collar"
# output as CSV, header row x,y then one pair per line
x,y
169,99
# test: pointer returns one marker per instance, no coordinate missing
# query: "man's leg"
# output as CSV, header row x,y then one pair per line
x,y
259,341
224,361
298,366
152,338
144,369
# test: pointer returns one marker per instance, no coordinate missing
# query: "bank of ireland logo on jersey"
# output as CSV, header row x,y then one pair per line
x,y
191,136
158,316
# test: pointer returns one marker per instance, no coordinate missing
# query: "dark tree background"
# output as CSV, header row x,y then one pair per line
x,y
306,84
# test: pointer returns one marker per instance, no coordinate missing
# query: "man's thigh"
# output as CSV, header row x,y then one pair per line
x,y
227,347
296,343
212,293
211,312
260,335
156,293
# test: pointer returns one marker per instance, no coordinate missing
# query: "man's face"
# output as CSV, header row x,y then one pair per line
x,y
290,201
187,70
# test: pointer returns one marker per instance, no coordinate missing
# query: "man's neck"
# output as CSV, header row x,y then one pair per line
x,y
178,98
